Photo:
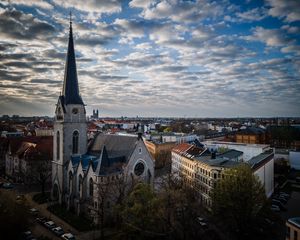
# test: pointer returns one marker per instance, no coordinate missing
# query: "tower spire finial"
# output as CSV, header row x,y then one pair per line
x,y
70,17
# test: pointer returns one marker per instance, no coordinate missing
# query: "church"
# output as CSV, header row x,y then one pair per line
x,y
87,175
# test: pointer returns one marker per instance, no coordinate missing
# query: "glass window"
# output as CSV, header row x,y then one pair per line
x,y
288,230
75,142
91,187
57,145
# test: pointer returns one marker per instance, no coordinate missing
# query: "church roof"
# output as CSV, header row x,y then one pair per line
x,y
115,145
70,88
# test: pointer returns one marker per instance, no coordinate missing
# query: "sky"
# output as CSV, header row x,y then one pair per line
x,y
154,58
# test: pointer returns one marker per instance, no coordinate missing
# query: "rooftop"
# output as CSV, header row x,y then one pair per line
x,y
237,144
256,161
295,221
218,162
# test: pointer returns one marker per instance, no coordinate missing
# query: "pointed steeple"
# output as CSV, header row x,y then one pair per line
x,y
70,88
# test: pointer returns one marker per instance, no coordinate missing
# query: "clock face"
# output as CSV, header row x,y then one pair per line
x,y
139,169
74,110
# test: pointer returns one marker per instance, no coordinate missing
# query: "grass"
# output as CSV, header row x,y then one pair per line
x,y
78,222
40,198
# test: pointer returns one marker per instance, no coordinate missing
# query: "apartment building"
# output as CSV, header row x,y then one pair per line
x,y
201,167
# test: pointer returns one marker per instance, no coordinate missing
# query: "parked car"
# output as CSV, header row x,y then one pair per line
x,y
275,208
41,220
202,222
68,236
8,185
285,194
279,204
58,231
27,235
50,224
34,211
281,199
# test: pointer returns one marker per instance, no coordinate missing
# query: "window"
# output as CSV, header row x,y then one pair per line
x,y
70,181
140,150
57,145
80,185
139,169
295,235
75,142
288,232
91,187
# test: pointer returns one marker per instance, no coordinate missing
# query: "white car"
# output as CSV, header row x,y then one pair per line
x,y
50,224
58,231
68,236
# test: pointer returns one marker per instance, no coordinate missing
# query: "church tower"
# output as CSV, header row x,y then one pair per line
x,y
70,126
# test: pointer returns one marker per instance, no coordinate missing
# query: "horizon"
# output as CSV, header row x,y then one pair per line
x,y
186,59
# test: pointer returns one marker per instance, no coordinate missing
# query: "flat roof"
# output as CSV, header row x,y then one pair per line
x,y
237,144
217,162
295,221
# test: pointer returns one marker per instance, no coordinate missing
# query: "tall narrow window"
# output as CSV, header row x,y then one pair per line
x,y
80,182
75,142
70,181
57,145
91,187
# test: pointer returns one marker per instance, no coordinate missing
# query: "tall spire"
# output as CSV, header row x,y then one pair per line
x,y
70,88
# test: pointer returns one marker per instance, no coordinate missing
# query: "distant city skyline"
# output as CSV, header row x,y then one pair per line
x,y
153,58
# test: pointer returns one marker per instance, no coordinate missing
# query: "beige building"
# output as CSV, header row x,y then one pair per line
x,y
161,152
201,168
293,229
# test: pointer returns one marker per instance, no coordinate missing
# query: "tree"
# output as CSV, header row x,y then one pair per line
x,y
40,170
13,217
238,200
170,212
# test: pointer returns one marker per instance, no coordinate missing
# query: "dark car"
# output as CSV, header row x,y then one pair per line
x,y
282,200
7,185
41,220
27,235
279,204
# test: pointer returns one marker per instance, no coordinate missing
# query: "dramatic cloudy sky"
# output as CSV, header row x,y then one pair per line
x,y
196,58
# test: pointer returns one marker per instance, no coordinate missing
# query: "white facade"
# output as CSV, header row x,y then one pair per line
x,y
266,175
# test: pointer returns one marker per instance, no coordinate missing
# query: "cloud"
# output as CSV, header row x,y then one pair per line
x,y
140,3
35,3
21,26
97,6
288,10
271,37
255,14
183,11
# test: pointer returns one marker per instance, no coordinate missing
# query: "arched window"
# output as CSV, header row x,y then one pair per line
x,y
75,142
91,187
70,181
57,145
80,182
